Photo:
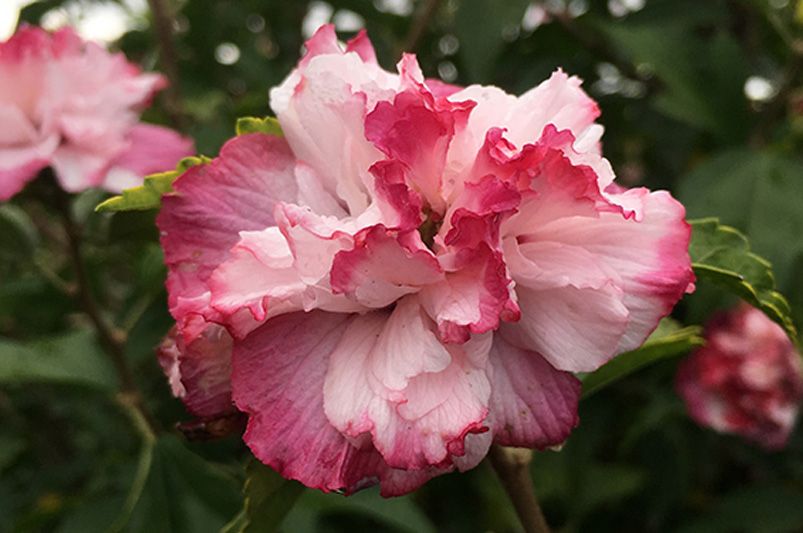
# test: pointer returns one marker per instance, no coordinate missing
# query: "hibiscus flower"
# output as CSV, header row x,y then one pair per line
x,y
746,380
413,271
73,106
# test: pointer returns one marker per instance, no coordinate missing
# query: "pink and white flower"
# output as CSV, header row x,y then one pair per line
x,y
415,270
747,380
73,106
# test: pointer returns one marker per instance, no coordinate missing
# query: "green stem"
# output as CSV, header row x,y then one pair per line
x,y
144,462
512,466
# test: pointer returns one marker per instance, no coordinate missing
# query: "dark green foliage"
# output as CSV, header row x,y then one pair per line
x,y
669,79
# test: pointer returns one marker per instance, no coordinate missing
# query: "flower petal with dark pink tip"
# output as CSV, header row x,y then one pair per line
x,y
391,378
533,405
383,266
212,204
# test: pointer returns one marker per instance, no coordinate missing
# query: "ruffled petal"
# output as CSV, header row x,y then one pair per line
x,y
94,99
390,378
23,151
549,264
77,169
259,276
151,149
400,205
321,107
533,405
278,380
312,193
577,330
416,129
383,266
475,296
72,96
199,370
13,180
627,252
314,240
361,45
477,213
647,259
212,204
17,127
26,43
558,101
477,292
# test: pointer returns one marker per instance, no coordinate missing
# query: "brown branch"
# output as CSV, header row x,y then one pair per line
x,y
168,58
113,341
419,25
596,45
774,108
512,466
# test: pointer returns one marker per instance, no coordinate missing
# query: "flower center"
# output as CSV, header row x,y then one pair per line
x,y
430,227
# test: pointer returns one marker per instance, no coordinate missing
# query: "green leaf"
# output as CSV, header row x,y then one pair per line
x,y
267,125
608,483
397,514
91,514
73,359
701,77
480,24
18,234
722,255
758,192
149,194
183,492
141,475
669,340
757,509
268,499
10,448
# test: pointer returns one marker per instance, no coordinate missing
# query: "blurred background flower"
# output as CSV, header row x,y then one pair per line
x,y
746,380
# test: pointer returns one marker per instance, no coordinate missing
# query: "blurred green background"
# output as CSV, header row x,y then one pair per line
x,y
704,98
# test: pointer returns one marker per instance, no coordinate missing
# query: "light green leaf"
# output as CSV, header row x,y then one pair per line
x,y
268,499
267,125
72,359
722,255
149,194
669,340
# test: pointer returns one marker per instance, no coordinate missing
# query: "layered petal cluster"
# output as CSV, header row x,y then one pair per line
x,y
747,380
75,107
413,271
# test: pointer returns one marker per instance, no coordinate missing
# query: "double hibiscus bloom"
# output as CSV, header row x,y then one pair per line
x,y
412,272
